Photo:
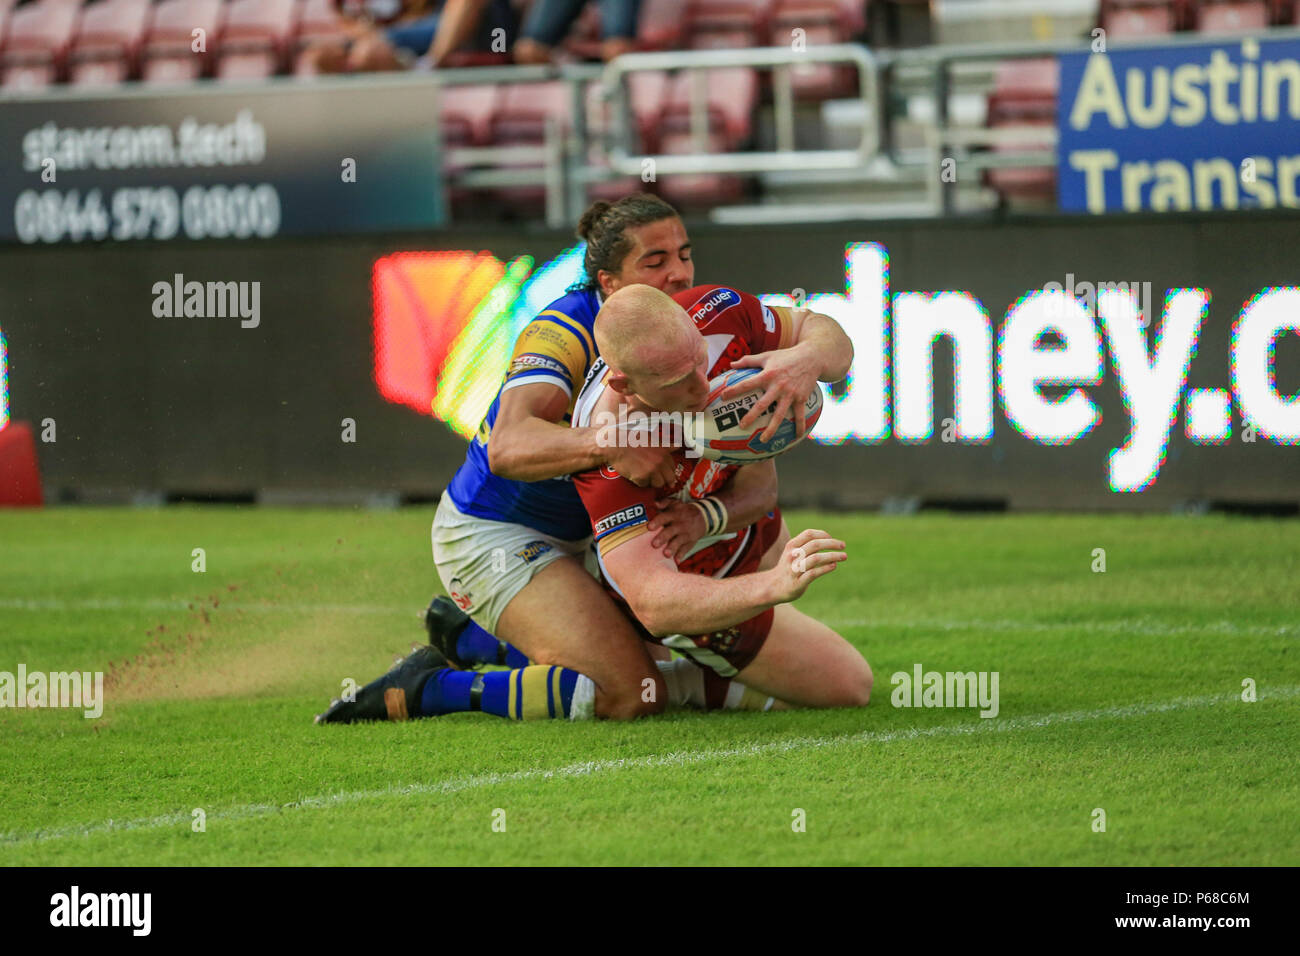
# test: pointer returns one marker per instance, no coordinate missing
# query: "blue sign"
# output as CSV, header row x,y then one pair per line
x,y
1212,126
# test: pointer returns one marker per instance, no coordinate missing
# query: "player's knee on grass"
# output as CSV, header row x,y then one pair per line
x,y
854,685
628,699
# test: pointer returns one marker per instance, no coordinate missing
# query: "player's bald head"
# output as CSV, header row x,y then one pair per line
x,y
641,330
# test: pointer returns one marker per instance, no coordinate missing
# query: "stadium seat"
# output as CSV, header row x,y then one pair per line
x,y
822,22
37,42
1284,12
169,56
106,49
1024,90
1231,17
1024,94
467,113
714,24
459,59
520,119
731,97
647,92
317,20
1032,183
1139,21
821,25
6,7
524,109
698,189
846,17
256,37
660,23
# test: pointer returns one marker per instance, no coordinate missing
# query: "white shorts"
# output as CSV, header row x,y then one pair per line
x,y
483,564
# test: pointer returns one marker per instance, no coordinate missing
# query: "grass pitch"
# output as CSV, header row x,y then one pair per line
x,y
1118,690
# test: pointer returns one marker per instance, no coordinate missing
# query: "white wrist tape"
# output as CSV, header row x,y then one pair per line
x,y
715,515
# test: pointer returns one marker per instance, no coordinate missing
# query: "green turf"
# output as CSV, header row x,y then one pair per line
x,y
214,678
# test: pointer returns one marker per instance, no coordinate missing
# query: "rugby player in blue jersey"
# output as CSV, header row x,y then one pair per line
x,y
511,537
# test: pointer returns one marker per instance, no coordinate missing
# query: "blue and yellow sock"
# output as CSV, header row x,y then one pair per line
x,y
477,646
527,693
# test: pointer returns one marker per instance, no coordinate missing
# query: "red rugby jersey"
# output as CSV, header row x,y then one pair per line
x,y
734,324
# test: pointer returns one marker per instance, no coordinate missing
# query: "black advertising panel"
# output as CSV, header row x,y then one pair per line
x,y
290,158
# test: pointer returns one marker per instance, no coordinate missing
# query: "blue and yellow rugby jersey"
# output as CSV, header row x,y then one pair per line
x,y
556,347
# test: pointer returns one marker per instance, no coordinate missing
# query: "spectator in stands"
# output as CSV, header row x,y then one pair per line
x,y
402,34
549,21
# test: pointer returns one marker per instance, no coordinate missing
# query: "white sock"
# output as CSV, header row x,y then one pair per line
x,y
685,682
583,704
740,697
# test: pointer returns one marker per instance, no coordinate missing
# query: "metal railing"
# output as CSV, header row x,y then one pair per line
x,y
571,156
574,161
781,61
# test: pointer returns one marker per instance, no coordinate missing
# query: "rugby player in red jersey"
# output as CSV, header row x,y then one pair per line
x,y
723,601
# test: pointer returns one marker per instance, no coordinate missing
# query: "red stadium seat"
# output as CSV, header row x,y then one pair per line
x,y
318,20
6,6
1284,12
169,56
646,95
467,113
647,92
846,17
458,59
732,97
525,108
106,49
1144,21
1024,90
1183,10
713,24
256,37
1231,17
36,47
731,100
1027,183
815,81
698,189
520,120
1024,94
659,25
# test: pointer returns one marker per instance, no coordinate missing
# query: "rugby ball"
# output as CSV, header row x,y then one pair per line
x,y
716,432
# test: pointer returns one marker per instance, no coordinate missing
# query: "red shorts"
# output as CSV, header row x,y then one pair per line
x,y
732,649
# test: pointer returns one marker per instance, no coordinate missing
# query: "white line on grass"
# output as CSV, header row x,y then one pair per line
x,y
589,768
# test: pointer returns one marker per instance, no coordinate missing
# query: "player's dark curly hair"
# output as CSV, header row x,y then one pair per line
x,y
604,228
